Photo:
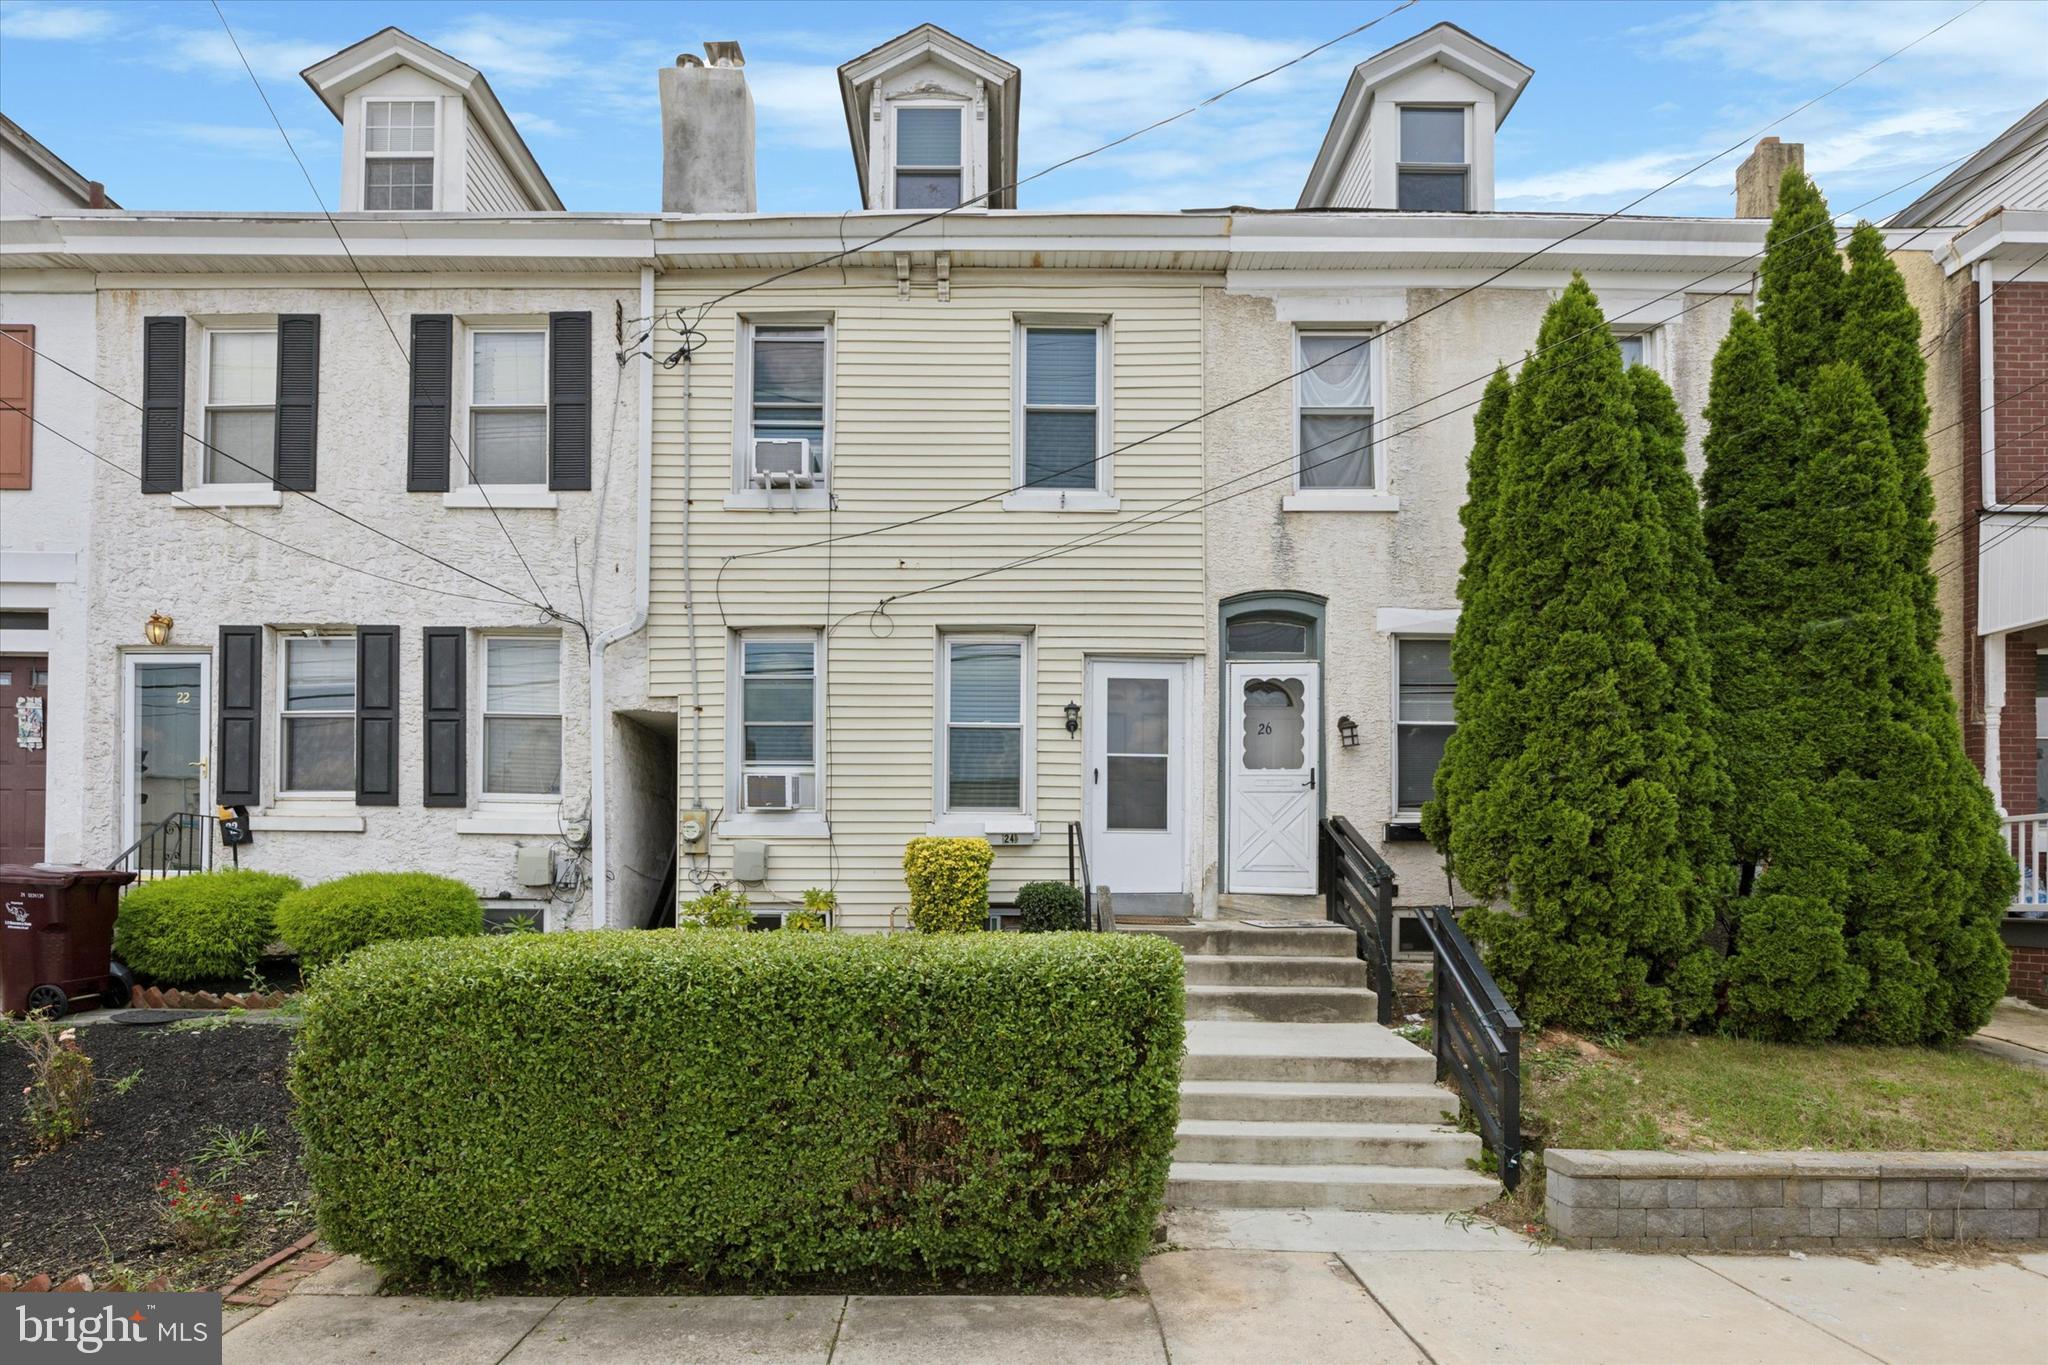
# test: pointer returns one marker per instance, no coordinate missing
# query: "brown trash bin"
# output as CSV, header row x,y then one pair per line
x,y
57,935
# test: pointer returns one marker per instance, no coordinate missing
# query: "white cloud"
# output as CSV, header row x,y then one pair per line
x,y
252,140
1804,41
56,23
537,123
273,59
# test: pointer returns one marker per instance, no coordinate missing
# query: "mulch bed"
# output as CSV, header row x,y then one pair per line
x,y
92,1204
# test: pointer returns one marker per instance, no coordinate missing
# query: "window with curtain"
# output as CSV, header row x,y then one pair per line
x,y
1433,171
787,401
398,152
241,406
522,715
984,731
1424,715
779,714
318,719
928,164
1062,407
1333,403
508,407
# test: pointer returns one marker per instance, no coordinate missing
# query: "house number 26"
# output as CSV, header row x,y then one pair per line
x,y
1265,727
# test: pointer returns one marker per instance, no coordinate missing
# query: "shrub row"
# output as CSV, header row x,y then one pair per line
x,y
744,1105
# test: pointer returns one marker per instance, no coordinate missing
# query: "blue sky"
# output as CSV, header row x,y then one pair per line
x,y
147,96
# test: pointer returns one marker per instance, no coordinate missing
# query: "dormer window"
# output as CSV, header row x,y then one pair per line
x,y
398,154
928,165
1434,171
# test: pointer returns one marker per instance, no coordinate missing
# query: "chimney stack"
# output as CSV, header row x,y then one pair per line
x,y
1756,180
707,134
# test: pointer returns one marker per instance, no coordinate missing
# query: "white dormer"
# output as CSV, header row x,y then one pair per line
x,y
422,132
934,122
1415,128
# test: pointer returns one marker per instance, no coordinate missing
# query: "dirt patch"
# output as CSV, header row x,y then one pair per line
x,y
92,1204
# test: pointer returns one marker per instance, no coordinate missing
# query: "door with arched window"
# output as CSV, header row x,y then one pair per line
x,y
1272,744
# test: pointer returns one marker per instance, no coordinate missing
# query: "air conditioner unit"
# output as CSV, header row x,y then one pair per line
x,y
770,791
781,462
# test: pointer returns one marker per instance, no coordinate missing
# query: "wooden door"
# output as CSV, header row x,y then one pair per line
x,y
24,727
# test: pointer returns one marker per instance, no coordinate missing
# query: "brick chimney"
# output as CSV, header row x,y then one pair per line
x,y
707,133
1756,180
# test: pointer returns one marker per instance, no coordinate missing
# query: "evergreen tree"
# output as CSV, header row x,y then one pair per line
x,y
1799,292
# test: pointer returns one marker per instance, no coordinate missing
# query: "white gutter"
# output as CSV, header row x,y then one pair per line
x,y
643,515
1987,389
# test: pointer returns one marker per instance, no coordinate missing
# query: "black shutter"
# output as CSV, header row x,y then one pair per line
x,y
433,376
569,401
298,400
446,766
376,715
163,405
238,776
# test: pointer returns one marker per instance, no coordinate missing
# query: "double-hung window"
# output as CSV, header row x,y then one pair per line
x,y
1638,347
1061,421
1424,715
398,154
1333,400
983,737
788,365
318,719
508,406
241,406
778,723
1433,175
522,715
928,166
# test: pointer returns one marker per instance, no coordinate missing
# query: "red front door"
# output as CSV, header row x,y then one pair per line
x,y
24,723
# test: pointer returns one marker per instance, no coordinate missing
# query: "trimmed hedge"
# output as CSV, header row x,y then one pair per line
x,y
329,921
948,880
205,926
1046,907
744,1106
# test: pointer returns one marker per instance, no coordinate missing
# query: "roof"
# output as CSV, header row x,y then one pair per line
x,y
1445,44
1930,207
855,88
89,193
332,78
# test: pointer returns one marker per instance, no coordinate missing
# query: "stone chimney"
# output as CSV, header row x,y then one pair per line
x,y
1756,180
707,134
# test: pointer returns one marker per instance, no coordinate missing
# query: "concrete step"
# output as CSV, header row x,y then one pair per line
x,y
1204,970
1218,938
1283,1004
1324,1144
1408,1189
1230,1050
1317,1101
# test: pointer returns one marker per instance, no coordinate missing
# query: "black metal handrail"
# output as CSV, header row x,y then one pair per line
x,y
1095,910
183,842
1477,1037
1358,889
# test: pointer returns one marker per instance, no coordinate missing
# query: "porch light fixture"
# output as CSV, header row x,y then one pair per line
x,y
1347,731
157,629
1073,718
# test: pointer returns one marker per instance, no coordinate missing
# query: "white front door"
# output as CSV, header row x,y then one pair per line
x,y
1271,747
1136,778
167,712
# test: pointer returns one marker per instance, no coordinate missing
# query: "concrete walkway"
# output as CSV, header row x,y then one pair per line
x,y
2017,1032
1255,1286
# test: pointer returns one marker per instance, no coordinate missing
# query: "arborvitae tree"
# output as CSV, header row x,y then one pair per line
x,y
1799,293
1591,725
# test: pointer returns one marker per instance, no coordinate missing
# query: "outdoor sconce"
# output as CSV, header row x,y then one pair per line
x,y
157,629
1073,718
1347,731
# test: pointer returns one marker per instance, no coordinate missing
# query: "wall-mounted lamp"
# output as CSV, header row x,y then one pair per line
x,y
157,629
1347,731
1073,718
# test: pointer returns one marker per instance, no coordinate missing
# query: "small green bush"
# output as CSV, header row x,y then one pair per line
x,y
206,926
744,1106
948,881
326,922
1045,907
721,908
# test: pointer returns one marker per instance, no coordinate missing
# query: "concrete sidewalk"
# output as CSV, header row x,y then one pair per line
x,y
1389,1289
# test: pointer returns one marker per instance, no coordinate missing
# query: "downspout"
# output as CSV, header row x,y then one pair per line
x,y
643,517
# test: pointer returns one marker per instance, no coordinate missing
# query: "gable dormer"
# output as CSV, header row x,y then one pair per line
x,y
933,120
423,132
1415,128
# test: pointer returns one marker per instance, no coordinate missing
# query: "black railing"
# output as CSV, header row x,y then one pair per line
x,y
1358,891
183,842
1478,1038
1095,908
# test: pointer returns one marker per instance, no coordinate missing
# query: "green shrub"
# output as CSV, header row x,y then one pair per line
x,y
1043,907
948,881
720,908
328,921
202,927
744,1105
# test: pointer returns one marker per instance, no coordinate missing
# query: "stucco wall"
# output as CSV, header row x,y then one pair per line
x,y
1945,304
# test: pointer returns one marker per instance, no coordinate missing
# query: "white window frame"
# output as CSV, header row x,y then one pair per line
x,y
744,496
433,158
484,716
1102,497
894,168
463,488
805,824
286,638
1379,496
1404,813
1402,163
980,820
253,492
1653,344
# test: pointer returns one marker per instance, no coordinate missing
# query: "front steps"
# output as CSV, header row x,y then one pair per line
x,y
1293,1097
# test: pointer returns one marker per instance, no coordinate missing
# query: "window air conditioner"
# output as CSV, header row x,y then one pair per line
x,y
771,791
781,462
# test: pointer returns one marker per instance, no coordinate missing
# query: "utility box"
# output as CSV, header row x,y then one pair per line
x,y
750,861
534,865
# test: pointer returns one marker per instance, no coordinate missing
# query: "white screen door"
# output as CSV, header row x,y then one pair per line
x,y
1136,779
1271,746
167,715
